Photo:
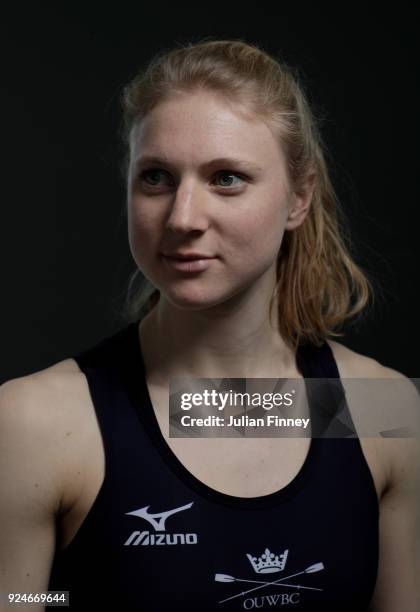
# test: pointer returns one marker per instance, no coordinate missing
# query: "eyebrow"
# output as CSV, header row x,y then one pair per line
x,y
234,161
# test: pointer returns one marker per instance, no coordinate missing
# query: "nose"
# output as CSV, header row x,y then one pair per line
x,y
188,211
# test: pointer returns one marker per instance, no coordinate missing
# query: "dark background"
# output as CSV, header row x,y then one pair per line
x,y
65,255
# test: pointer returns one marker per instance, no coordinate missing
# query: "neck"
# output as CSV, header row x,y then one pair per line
x,y
235,339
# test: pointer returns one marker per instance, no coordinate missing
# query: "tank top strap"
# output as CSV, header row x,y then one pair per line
x,y
316,361
330,414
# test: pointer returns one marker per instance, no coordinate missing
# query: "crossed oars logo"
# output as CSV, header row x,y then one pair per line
x,y
316,567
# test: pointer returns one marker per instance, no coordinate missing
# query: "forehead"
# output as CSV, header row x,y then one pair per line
x,y
201,125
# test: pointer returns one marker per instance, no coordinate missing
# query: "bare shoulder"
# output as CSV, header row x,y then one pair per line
x,y
42,415
355,365
39,401
39,474
390,404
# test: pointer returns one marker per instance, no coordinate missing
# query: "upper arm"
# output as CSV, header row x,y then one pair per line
x,y
29,493
398,582
397,586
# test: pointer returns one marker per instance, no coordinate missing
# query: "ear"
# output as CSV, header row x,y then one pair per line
x,y
300,204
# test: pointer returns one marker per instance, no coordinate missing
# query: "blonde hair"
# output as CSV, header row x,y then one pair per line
x,y
319,285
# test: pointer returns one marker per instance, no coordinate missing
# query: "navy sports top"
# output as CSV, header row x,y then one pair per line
x,y
158,539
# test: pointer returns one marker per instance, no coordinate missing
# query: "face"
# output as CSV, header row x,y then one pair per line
x,y
207,178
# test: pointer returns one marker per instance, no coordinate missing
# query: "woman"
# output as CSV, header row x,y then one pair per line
x,y
232,220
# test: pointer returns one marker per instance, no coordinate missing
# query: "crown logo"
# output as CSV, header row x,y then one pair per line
x,y
268,562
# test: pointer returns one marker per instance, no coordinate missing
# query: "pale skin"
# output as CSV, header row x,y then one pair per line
x,y
221,315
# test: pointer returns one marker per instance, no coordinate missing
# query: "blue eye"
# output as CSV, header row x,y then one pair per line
x,y
150,171
228,173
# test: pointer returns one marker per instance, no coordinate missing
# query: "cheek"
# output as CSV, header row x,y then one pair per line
x,y
142,232
258,234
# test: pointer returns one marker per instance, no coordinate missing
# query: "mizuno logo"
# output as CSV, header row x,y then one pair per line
x,y
145,538
158,520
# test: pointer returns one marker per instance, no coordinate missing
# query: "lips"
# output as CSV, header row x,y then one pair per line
x,y
188,264
187,256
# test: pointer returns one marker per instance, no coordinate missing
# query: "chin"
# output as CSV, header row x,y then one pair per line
x,y
190,304
193,300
